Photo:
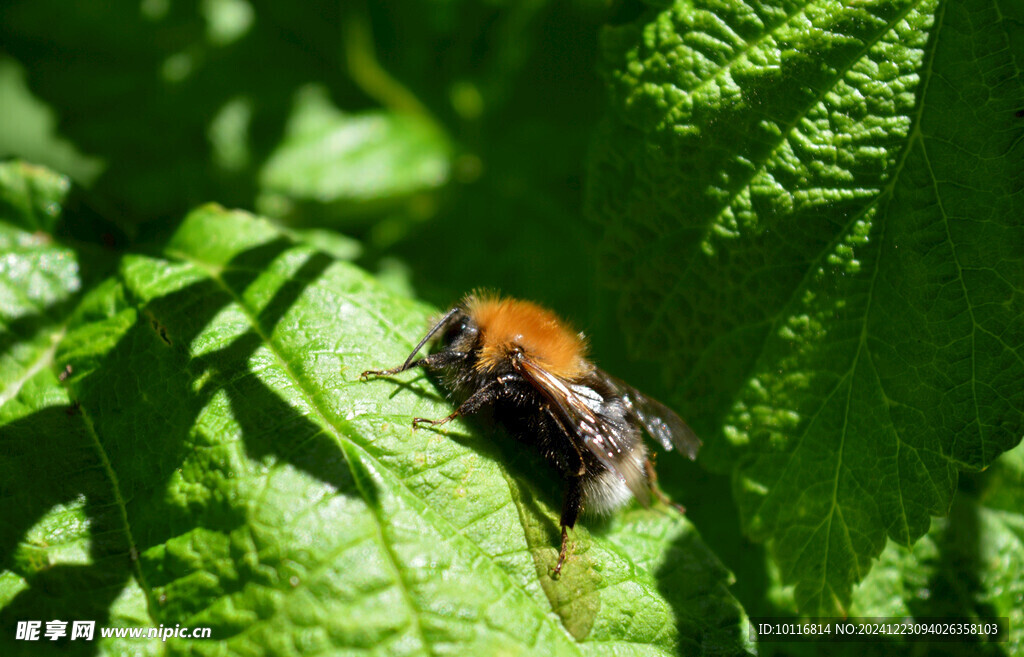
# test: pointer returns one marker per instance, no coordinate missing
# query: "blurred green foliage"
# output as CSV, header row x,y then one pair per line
x,y
449,128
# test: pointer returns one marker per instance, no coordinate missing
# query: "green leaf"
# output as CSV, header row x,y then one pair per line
x,y
251,483
354,162
814,210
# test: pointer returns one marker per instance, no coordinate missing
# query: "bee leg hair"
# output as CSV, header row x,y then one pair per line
x,y
572,505
652,477
476,401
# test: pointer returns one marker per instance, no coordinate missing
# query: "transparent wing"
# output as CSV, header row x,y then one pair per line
x,y
578,415
661,422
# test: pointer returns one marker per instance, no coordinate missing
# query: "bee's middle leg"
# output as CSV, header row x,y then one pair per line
x,y
474,403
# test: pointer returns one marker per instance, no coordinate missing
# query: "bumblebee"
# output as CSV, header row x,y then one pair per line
x,y
532,370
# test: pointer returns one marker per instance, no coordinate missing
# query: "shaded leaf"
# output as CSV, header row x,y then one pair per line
x,y
815,210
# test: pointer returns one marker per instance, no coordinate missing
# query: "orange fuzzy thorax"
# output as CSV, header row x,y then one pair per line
x,y
509,323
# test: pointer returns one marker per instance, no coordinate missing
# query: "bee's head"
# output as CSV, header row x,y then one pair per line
x,y
460,333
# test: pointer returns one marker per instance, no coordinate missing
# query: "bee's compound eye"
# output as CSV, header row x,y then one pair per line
x,y
453,333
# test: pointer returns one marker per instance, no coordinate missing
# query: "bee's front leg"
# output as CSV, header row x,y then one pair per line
x,y
440,360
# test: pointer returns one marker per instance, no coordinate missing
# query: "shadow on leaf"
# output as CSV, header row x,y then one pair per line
x,y
132,467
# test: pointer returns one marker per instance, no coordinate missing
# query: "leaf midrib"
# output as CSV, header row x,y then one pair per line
x,y
886,193
122,509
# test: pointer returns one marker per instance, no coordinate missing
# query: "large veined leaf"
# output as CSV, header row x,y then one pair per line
x,y
815,209
199,450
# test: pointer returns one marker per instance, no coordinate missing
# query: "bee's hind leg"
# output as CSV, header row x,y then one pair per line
x,y
561,553
652,478
572,505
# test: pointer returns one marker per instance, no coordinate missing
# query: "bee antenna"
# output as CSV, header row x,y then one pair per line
x,y
437,327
